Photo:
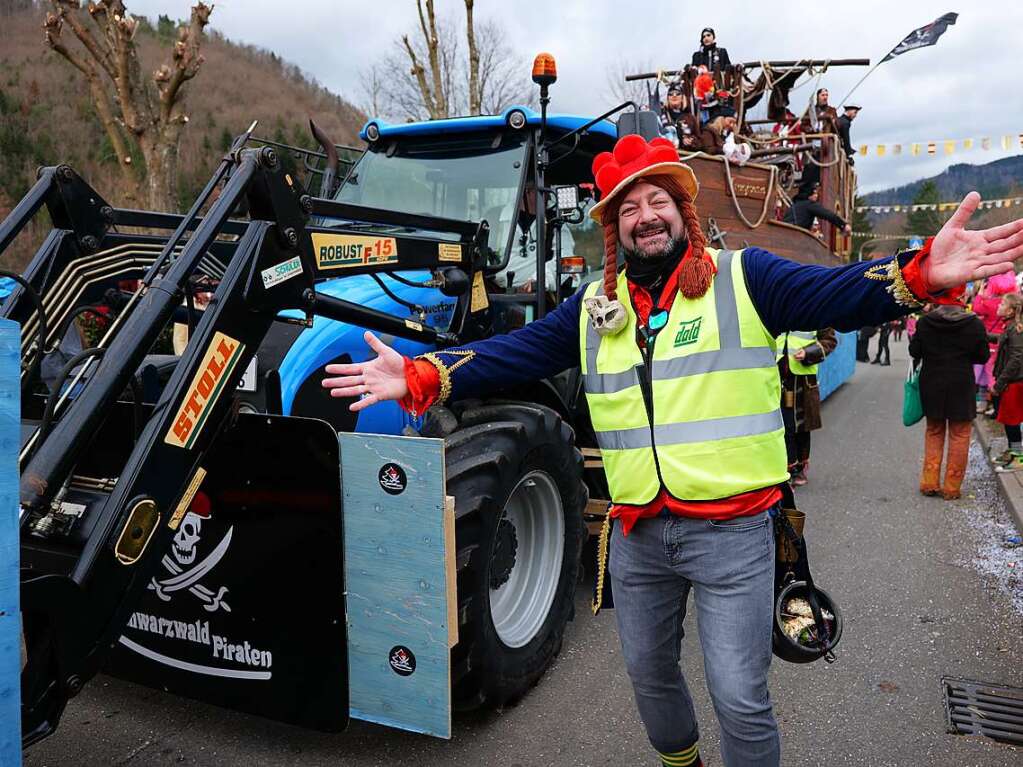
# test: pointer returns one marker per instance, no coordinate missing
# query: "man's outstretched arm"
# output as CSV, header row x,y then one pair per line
x,y
791,296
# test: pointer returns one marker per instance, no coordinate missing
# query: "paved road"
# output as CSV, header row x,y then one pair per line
x,y
901,566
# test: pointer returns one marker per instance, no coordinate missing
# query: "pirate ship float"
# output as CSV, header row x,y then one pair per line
x,y
743,205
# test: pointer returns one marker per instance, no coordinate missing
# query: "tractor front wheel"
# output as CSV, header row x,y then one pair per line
x,y
516,477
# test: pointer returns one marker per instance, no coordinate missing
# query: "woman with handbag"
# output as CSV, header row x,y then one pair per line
x,y
949,341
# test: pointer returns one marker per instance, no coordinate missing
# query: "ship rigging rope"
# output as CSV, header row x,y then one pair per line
x,y
767,196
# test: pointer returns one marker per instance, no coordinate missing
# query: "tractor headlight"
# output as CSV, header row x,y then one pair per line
x,y
372,131
517,119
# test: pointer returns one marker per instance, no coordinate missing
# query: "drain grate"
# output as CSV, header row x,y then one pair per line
x,y
978,708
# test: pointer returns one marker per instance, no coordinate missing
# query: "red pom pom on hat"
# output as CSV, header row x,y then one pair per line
x,y
600,161
630,148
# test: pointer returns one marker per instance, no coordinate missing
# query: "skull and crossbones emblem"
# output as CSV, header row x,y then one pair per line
x,y
184,551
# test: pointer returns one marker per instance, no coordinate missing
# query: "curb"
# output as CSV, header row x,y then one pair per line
x,y
1010,485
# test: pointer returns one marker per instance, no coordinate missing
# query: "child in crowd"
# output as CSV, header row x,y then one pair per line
x,y
1008,381
986,305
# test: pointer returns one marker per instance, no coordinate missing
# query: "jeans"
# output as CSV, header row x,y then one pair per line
x,y
729,565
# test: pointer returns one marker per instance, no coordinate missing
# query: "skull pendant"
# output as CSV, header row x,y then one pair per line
x,y
607,317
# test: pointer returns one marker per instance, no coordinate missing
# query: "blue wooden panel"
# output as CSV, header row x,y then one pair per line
x,y
397,581
10,615
838,366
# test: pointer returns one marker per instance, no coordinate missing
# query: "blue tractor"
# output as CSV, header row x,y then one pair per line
x,y
440,233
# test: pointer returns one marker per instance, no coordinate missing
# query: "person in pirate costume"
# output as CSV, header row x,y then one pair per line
x,y
677,355
800,353
675,113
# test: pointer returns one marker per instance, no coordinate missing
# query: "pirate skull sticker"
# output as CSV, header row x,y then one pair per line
x,y
185,572
185,540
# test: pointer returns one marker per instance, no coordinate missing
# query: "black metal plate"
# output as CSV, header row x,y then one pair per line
x,y
977,708
263,630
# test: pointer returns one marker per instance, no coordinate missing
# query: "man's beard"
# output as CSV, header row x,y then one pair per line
x,y
638,254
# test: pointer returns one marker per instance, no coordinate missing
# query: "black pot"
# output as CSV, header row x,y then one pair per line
x,y
791,649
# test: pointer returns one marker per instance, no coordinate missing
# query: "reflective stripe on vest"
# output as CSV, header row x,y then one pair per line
x,y
797,339
717,426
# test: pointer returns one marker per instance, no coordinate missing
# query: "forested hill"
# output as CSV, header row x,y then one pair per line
x,y
47,116
1001,178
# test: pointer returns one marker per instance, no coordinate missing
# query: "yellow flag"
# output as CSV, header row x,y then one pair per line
x,y
950,147
1006,142
914,150
967,143
985,144
863,150
880,150
896,148
932,147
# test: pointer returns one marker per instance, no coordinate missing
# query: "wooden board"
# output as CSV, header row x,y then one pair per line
x,y
10,612
399,567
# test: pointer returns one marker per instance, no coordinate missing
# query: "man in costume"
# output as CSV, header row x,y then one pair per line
x,y
800,353
677,355
709,54
806,207
843,124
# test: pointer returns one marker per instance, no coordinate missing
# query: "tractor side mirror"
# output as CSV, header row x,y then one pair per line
x,y
642,121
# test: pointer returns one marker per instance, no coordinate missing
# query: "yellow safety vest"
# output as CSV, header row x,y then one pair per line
x,y
797,339
717,429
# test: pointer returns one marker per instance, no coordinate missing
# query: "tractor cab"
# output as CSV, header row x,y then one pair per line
x,y
486,169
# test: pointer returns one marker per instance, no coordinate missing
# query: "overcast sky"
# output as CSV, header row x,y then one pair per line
x,y
966,86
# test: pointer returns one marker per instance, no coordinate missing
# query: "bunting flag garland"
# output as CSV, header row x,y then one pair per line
x,y
946,146
1003,202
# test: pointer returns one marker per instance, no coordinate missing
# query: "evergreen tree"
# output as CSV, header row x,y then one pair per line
x,y
861,220
925,222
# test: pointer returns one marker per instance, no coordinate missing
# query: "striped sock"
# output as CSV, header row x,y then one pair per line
x,y
687,757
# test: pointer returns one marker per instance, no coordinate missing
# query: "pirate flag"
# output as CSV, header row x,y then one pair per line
x,y
921,38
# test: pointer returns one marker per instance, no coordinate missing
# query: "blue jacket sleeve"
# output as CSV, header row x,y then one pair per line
x,y
538,350
791,296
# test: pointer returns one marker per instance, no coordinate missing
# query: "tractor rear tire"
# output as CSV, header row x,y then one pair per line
x,y
517,480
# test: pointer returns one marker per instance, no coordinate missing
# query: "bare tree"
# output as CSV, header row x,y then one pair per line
x,y
435,97
440,83
618,90
475,92
503,80
373,89
132,108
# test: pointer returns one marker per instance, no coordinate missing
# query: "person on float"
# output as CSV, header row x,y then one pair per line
x,y
685,336
676,114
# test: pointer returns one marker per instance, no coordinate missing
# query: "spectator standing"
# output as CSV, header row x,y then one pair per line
x,y
911,321
948,341
883,332
709,54
986,305
843,124
1008,381
863,337
898,326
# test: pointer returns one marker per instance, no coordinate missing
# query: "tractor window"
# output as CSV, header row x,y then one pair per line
x,y
465,178
587,240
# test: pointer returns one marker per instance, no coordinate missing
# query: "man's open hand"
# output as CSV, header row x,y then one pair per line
x,y
376,380
959,255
